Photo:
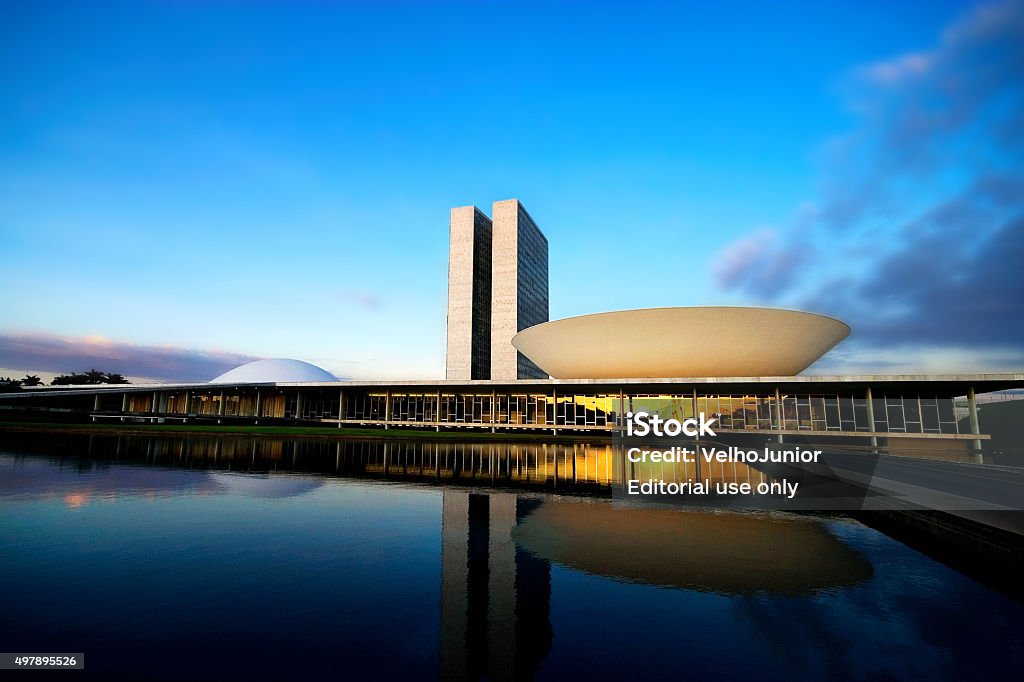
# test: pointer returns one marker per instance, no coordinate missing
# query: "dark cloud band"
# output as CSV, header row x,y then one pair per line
x,y
50,353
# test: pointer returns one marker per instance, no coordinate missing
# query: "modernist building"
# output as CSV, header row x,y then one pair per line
x,y
469,295
710,341
519,288
497,287
741,366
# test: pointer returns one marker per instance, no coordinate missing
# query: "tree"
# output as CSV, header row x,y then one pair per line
x,y
31,380
93,376
9,385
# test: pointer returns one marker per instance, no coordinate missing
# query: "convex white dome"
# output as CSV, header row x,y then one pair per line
x,y
274,370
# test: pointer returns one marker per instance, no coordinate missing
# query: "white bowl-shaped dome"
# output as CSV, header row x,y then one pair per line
x,y
274,370
681,342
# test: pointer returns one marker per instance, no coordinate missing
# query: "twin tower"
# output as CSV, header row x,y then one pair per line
x,y
497,286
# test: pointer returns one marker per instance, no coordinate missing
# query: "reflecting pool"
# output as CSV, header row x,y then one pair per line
x,y
165,558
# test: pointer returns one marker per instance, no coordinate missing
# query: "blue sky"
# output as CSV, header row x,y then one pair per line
x,y
187,185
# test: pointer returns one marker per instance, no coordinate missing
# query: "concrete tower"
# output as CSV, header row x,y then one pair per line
x,y
519,288
469,295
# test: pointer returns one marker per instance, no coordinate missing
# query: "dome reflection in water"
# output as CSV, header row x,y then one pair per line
x,y
469,560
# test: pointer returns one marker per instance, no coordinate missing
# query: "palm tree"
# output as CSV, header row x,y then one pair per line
x,y
31,380
9,385
94,376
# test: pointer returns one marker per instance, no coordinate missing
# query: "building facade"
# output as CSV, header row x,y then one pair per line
x,y
738,365
468,353
896,412
497,287
519,289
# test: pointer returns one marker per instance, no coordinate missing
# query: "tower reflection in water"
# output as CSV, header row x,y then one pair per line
x,y
495,596
509,533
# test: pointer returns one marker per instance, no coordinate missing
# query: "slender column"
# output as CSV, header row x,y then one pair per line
x,y
220,409
437,412
256,412
554,411
494,409
341,407
620,421
778,414
972,410
696,441
188,402
298,405
387,408
871,414
96,403
156,400
124,403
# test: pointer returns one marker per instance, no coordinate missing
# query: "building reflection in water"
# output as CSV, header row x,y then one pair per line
x,y
497,550
725,553
495,596
562,467
569,467
499,537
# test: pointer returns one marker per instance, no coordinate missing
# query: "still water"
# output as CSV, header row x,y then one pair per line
x,y
165,558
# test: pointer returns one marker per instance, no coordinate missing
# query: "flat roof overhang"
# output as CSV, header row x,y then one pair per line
x,y
923,384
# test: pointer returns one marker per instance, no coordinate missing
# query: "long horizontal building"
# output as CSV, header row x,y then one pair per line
x,y
896,407
741,366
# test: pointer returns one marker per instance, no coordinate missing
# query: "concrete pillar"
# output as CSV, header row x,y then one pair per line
x,y
256,412
96,403
387,408
869,399
778,414
972,411
341,407
437,412
156,400
298,405
220,409
620,417
494,409
124,403
188,402
554,411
